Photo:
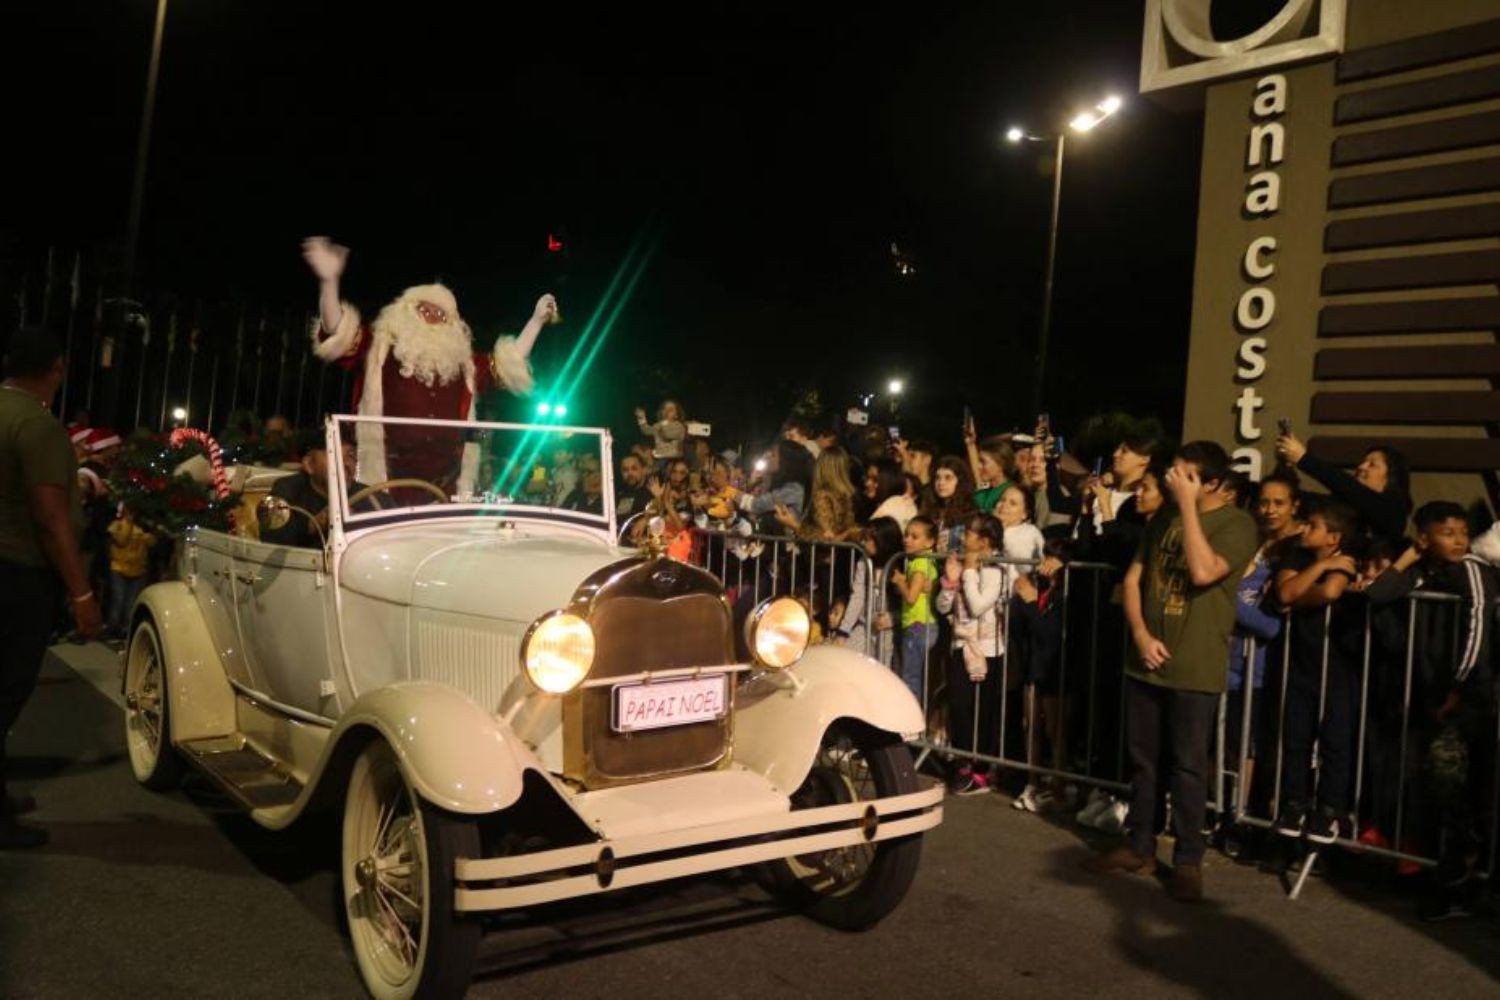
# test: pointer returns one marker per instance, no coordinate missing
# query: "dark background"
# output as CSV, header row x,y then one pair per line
x,y
771,155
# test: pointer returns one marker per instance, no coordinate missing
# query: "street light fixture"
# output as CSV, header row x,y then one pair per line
x,y
1083,122
179,413
895,387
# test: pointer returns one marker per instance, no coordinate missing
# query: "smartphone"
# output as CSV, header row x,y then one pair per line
x,y
895,433
1060,447
968,417
1284,424
1044,424
1099,467
760,465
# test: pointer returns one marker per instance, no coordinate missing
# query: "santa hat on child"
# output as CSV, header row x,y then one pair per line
x,y
78,434
101,438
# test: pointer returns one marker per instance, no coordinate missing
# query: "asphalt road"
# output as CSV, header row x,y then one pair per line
x,y
147,895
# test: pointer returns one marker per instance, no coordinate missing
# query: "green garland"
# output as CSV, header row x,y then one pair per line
x,y
142,479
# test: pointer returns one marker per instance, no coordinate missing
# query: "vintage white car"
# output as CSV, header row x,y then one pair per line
x,y
510,707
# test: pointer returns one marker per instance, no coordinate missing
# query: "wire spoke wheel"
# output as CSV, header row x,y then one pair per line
x,y
398,854
852,887
147,732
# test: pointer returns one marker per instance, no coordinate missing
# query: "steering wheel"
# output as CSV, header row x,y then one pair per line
x,y
360,496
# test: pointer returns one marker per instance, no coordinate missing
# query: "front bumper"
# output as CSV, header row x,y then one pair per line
x,y
607,864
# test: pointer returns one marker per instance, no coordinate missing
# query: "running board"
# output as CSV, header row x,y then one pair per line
x,y
248,776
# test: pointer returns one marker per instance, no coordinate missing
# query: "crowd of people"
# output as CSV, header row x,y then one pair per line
x,y
1304,588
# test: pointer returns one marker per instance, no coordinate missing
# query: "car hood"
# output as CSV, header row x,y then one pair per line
x,y
475,569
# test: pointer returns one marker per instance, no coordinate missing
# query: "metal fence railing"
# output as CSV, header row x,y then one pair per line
x,y
1063,721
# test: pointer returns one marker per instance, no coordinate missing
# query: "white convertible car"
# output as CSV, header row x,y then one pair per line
x,y
509,707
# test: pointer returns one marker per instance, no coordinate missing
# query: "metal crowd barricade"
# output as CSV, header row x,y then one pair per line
x,y
754,567
1408,766
1101,666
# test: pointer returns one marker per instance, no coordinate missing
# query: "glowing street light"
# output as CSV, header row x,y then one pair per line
x,y
895,387
179,414
1082,123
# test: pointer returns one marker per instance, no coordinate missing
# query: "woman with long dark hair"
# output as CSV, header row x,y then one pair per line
x,y
1379,489
951,502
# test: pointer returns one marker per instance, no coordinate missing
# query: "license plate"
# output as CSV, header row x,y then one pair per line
x,y
670,703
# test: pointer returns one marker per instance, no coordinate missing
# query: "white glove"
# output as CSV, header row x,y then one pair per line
x,y
546,308
325,258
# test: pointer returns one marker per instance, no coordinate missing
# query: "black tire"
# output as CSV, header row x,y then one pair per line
x,y
444,942
851,888
148,711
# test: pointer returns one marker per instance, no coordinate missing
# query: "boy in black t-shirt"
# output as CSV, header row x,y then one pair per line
x,y
1322,704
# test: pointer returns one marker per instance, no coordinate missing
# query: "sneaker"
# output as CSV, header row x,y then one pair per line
x,y
20,837
1186,883
1291,820
1027,800
1446,906
1098,801
977,784
1112,819
1322,825
1408,868
1121,859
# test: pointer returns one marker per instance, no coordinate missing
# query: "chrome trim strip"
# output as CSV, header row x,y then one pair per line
x,y
517,866
530,894
295,713
648,676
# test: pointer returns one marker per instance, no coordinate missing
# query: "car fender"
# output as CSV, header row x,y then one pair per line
x,y
780,720
455,754
200,698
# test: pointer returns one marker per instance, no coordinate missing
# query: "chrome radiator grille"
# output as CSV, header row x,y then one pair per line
x,y
636,632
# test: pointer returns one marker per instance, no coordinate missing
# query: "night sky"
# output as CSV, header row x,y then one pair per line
x,y
774,153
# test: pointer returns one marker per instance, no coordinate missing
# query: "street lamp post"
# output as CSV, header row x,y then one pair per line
x,y
1084,122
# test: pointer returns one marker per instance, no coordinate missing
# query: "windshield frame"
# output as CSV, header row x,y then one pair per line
x,y
341,427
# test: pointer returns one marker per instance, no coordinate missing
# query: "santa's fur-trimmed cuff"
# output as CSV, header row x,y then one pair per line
x,y
511,368
343,341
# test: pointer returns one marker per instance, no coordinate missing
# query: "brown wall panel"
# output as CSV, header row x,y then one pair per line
x,y
1467,222
1475,267
1420,95
1425,454
1441,361
1465,177
1415,53
1417,316
1405,407
1462,132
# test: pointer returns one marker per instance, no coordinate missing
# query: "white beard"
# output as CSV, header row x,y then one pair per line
x,y
431,354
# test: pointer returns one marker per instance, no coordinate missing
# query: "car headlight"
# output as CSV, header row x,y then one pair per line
x,y
777,633
557,652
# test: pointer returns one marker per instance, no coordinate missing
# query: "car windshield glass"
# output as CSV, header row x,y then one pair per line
x,y
391,465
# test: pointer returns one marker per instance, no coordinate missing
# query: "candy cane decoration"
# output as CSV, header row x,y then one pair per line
x,y
215,456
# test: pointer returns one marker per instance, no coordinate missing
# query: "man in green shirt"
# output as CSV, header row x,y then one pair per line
x,y
1180,604
40,518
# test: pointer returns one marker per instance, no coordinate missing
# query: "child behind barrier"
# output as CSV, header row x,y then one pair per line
x,y
914,583
1321,704
1255,629
868,628
1452,714
971,591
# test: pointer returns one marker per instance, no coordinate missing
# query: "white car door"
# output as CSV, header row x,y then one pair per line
x,y
212,567
283,598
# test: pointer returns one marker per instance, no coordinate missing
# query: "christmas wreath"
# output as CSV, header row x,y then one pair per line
x,y
160,499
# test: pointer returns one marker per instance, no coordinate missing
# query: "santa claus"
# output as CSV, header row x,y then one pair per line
x,y
416,360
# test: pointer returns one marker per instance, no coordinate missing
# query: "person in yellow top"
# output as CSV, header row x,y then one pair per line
x,y
129,561
918,622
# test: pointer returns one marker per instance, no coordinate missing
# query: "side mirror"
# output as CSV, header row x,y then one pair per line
x,y
272,514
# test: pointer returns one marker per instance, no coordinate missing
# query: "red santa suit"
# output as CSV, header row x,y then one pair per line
x,y
398,373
